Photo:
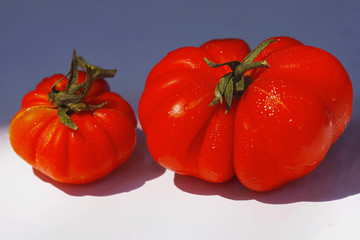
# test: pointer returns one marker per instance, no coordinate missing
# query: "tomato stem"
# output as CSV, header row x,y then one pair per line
x,y
70,100
235,82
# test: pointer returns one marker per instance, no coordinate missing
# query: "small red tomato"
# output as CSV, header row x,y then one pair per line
x,y
73,129
275,113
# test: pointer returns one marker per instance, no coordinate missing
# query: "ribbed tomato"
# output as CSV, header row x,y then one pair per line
x,y
276,110
102,136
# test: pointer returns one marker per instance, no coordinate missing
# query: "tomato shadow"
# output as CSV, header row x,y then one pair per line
x,y
337,177
133,174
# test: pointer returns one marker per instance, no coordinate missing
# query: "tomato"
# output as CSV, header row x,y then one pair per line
x,y
275,113
98,139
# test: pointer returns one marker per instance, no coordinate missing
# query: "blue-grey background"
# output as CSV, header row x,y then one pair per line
x,y
37,37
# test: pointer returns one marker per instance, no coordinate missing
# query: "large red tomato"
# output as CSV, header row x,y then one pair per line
x,y
274,115
95,135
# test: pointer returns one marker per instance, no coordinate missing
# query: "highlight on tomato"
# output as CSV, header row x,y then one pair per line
x,y
72,127
269,115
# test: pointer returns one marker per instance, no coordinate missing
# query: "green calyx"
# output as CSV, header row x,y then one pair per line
x,y
234,83
70,100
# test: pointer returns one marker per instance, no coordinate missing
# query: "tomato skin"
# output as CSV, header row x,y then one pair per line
x,y
279,130
275,141
183,133
105,139
321,72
